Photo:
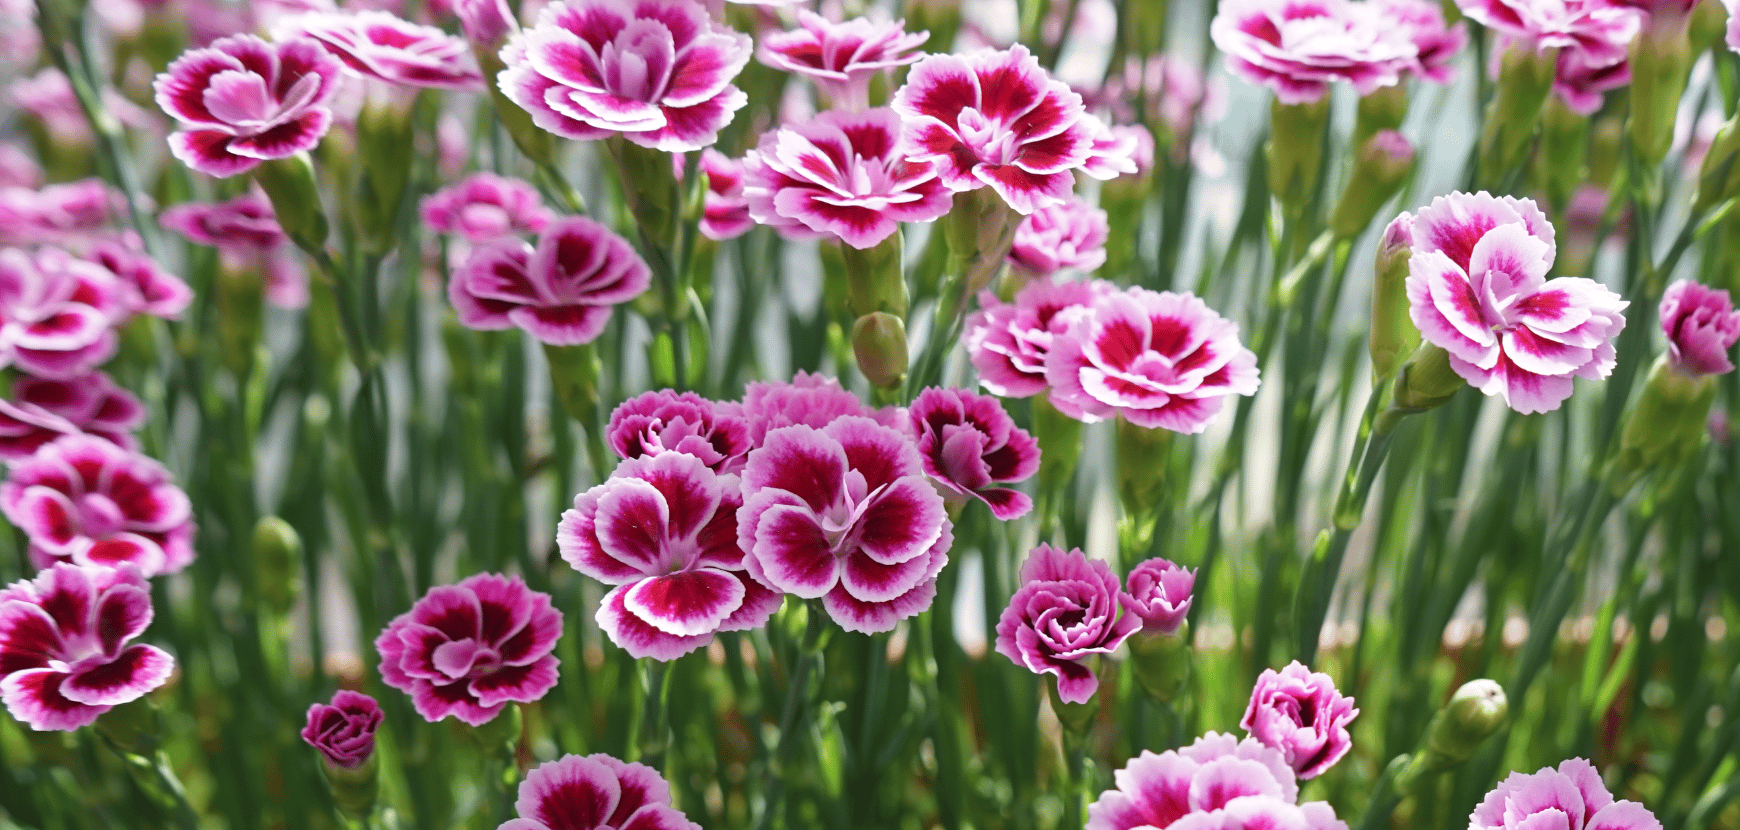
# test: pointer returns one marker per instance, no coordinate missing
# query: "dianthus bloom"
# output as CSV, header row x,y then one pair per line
x,y
83,500
1581,80
378,44
663,530
595,792
64,657
842,58
1070,234
1298,47
57,312
1600,28
842,176
997,119
1701,326
845,513
242,101
653,423
656,71
1477,288
811,400
248,237
1008,342
344,730
724,210
144,286
70,214
1570,797
1159,593
561,292
1064,614
1157,358
485,207
1299,712
969,446
42,410
468,650
1436,44
1217,782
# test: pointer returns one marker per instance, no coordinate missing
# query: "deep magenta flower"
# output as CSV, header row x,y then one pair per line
x,y
724,210
378,44
1299,47
841,176
485,207
662,421
844,513
42,410
344,730
842,58
1436,44
1157,358
1070,234
561,292
57,312
64,657
970,447
242,101
1600,28
70,214
997,119
1008,342
595,792
657,71
1571,797
468,650
1216,783
1477,288
1064,613
84,500
663,530
1299,712
1701,326
248,238
1159,593
810,400
145,288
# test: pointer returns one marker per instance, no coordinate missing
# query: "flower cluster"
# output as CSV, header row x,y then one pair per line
x,y
595,792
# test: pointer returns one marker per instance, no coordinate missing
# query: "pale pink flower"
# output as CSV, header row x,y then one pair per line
x,y
1436,44
561,292
1701,326
248,238
1477,288
242,101
57,312
1113,151
1570,797
656,71
724,210
1007,342
484,207
971,448
64,653
1065,612
841,176
1600,28
71,214
344,730
84,500
1299,47
378,44
1300,712
811,400
1159,593
42,410
486,21
595,792
1216,783
1067,235
662,421
842,58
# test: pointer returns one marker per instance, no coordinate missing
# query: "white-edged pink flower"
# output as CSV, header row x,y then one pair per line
x,y
656,71
1071,234
145,287
83,500
70,214
663,530
1297,48
841,175
662,421
561,292
42,410
842,58
846,514
64,653
1007,342
1114,150
1477,288
1572,796
1065,614
484,207
595,792
997,119
1436,44
242,101
1216,783
972,449
1601,28
724,210
1159,593
1701,326
1302,714
246,233
1157,358
57,312
812,400
378,44
1582,80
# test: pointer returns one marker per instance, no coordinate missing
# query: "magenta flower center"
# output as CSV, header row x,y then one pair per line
x,y
459,659
638,63
99,517
242,100
994,143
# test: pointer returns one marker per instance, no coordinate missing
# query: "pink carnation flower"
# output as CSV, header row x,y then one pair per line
x,y
1299,712
71,214
664,421
1571,797
1159,594
1701,326
248,238
1065,612
996,118
1600,28
468,650
1217,783
378,44
657,71
1298,47
1157,358
1435,43
842,58
145,288
83,500
18,168
42,410
485,207
595,792
1581,80
1070,234
841,175
1114,151
724,210
809,400
242,101
1477,288
969,446
56,313
64,657
663,530
561,292
1007,343
344,730
844,513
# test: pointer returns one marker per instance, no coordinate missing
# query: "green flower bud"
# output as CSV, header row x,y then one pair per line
x,y
289,184
277,562
1380,168
240,290
1384,109
1162,662
1661,60
1393,335
1296,150
1719,177
1606,138
1525,79
383,137
980,231
1427,381
1564,147
1476,712
879,343
1666,426
1708,25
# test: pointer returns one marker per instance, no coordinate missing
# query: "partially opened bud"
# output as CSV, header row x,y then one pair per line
x,y
1393,335
879,343
277,562
1384,109
1427,381
1379,170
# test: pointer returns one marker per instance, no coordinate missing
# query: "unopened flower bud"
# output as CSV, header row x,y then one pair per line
x,y
1393,335
1477,711
1564,148
1384,109
879,343
277,562
384,136
1525,79
1719,178
1380,168
1427,381
1296,150
289,184
1661,61
1708,23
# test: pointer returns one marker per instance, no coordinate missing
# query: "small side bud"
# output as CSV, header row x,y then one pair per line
x,y
1393,334
1427,381
1382,165
1477,711
1525,79
879,343
277,562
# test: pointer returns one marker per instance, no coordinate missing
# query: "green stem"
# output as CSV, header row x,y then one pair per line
x,y
655,724
796,695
